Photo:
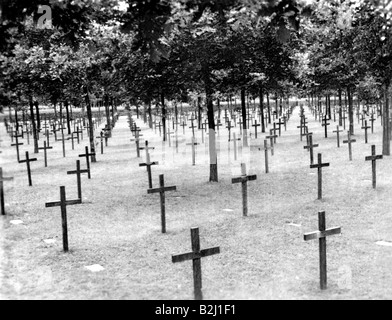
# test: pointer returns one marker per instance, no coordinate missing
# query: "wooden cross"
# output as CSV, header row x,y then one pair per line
x,y
274,130
27,161
235,139
307,134
337,131
319,167
325,125
219,124
285,122
107,131
344,120
240,123
362,119
87,155
266,148
349,141
161,190
193,144
101,138
79,132
78,173
47,134
256,125
229,126
196,256
280,126
244,181
63,203
183,125
373,158
148,164
45,147
272,137
302,126
372,121
17,144
366,127
72,138
137,142
322,234
3,179
193,128
147,148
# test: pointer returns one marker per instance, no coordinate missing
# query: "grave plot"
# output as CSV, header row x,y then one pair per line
x,y
116,246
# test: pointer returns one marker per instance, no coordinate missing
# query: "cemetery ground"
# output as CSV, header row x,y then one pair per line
x,y
262,256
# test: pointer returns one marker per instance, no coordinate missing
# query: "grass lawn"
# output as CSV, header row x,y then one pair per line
x,y
263,256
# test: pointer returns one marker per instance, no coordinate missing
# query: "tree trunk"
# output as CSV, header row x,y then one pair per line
x,y
386,141
91,125
149,114
262,109
35,137
163,115
199,109
268,108
66,104
37,115
244,118
107,112
211,126
350,110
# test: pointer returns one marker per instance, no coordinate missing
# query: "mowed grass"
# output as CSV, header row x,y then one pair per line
x,y
263,256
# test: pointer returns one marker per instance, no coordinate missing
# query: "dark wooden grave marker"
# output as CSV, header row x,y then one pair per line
x,y
373,158
337,131
45,148
148,164
196,256
27,161
161,190
63,203
78,173
319,167
87,155
322,234
244,181
366,127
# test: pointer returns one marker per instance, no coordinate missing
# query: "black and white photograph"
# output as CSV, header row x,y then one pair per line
x,y
181,151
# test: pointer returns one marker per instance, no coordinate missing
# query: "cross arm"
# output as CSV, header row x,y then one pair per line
x,y
322,234
148,164
371,158
195,255
312,166
76,172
